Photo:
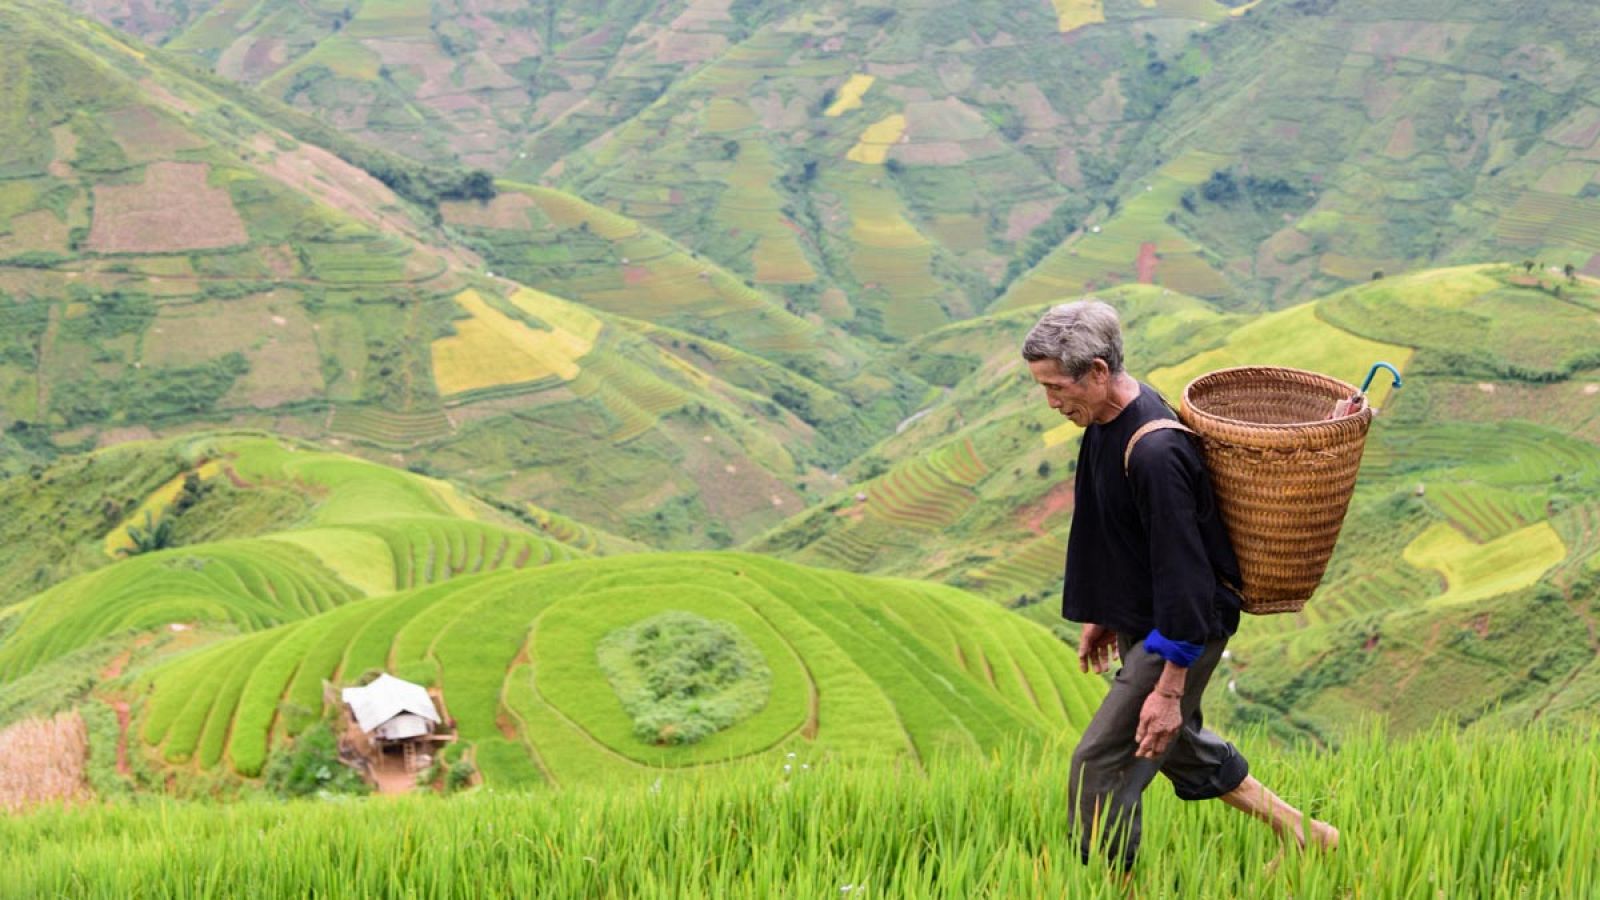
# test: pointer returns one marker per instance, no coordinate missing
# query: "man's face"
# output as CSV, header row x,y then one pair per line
x,y
1079,399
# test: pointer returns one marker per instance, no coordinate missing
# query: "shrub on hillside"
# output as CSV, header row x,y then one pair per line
x,y
311,765
683,677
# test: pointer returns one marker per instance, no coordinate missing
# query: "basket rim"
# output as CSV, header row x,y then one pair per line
x,y
1329,380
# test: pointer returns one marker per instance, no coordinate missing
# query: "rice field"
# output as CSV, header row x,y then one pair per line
x,y
970,825
873,147
388,428
1295,337
915,494
850,94
492,349
1107,254
862,669
1474,571
1074,14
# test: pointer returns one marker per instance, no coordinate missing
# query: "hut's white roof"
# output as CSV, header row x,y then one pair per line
x,y
386,698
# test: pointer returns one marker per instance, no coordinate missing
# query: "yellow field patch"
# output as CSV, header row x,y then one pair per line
x,y
156,505
1074,14
849,96
492,349
1475,571
1294,337
875,142
1238,11
1060,434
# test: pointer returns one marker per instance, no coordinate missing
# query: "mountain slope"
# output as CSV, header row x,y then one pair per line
x,y
172,257
1470,540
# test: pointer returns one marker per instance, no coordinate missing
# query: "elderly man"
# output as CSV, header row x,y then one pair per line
x,y
1148,570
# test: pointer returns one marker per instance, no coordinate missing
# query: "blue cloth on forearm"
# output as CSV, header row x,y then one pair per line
x,y
1179,653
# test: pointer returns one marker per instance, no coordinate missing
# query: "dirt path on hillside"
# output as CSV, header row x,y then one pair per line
x,y
1034,516
1147,263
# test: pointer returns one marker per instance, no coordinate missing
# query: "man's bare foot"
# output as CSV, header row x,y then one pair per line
x,y
1323,837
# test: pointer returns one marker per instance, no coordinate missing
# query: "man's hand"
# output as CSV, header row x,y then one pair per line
x,y
1097,647
1159,721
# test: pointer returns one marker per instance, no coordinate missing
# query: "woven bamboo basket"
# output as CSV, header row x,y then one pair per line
x,y
1283,473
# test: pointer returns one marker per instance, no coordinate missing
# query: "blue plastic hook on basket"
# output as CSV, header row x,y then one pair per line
x,y
1375,367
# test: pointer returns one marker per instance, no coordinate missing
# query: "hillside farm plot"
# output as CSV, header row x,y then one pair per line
x,y
1109,254
172,210
1479,314
1296,337
860,669
1474,571
915,494
492,349
388,428
1074,14
247,584
873,147
1485,513
849,95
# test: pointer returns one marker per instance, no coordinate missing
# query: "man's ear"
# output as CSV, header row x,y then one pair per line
x,y
1099,371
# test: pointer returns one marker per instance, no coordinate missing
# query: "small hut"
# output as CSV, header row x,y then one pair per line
x,y
391,712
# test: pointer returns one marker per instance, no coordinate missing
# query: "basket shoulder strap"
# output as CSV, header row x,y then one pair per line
x,y
1147,428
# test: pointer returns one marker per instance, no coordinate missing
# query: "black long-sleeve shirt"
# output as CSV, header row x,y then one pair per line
x,y
1148,549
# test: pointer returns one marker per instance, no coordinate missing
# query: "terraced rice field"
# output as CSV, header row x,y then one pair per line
x,y
1579,528
849,95
247,584
1482,513
862,669
387,428
1550,220
1108,254
491,348
873,147
1295,337
1023,569
633,398
915,494
645,275
1475,571
1511,454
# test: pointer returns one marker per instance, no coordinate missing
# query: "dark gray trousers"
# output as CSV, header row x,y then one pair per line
x,y
1108,778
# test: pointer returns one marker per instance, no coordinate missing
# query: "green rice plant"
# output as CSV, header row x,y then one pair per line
x,y
213,740
263,691
972,825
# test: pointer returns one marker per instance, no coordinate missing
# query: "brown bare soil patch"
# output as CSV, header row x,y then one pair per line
x,y
1147,263
1403,142
149,136
506,211
1028,215
1035,515
937,153
42,760
113,436
173,210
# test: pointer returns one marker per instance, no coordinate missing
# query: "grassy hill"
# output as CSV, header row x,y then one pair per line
x,y
148,204
1468,557
222,642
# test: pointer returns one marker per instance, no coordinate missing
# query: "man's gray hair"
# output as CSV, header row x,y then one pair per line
x,y
1075,335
